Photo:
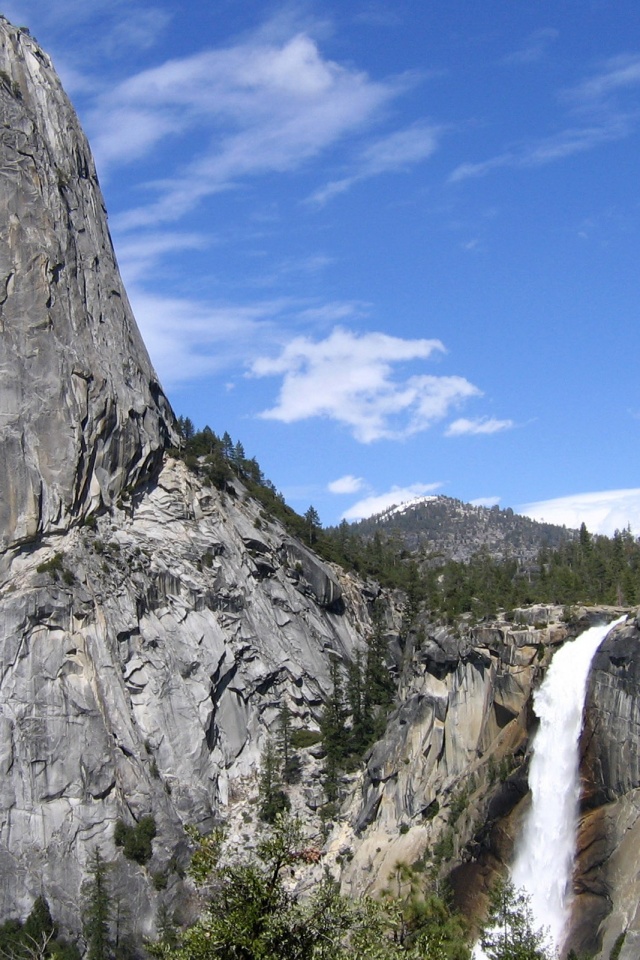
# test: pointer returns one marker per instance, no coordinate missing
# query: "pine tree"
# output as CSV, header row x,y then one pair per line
x,y
509,933
379,685
290,759
227,446
335,737
39,922
312,524
273,799
98,910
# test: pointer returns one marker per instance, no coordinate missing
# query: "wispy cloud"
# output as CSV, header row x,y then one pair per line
x,y
397,152
617,74
595,117
189,339
602,512
346,484
349,378
138,257
534,49
482,425
572,140
120,25
264,107
377,503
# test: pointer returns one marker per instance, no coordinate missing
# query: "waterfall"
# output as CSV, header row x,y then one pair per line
x,y
544,856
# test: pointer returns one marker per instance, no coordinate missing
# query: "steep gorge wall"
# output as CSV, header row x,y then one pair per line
x,y
81,413
608,868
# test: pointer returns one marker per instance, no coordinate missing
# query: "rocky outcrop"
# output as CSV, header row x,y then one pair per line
x,y
143,664
608,866
82,416
452,756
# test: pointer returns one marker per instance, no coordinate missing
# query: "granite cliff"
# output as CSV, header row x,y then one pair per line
x,y
152,625
82,416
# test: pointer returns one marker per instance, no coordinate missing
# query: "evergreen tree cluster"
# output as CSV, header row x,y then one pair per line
x,y
355,712
38,938
279,768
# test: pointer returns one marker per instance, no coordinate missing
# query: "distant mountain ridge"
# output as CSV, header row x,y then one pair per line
x,y
453,530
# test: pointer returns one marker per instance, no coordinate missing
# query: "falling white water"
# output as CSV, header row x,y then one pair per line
x,y
545,853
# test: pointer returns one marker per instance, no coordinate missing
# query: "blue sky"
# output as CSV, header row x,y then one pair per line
x,y
392,247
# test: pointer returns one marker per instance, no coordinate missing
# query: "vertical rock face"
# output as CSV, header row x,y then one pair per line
x,y
608,867
81,413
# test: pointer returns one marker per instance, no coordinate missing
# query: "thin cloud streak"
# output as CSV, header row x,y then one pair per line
x,y
535,48
481,426
568,142
392,154
620,73
592,101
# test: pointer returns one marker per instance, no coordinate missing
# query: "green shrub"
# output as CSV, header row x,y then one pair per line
x,y
445,847
159,880
305,738
52,566
136,841
617,947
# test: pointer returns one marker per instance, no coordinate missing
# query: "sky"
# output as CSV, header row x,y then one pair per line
x,y
391,247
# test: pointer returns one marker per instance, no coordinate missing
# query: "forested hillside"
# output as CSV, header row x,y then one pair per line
x,y
529,563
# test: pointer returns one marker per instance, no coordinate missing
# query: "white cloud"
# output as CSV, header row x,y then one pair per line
x,y
396,152
376,503
346,484
481,425
348,378
485,502
603,512
263,106
188,338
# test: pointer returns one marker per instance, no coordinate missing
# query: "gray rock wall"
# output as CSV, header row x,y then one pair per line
x,y
81,413
144,676
608,866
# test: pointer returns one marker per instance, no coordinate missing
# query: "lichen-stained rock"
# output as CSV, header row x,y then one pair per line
x,y
82,416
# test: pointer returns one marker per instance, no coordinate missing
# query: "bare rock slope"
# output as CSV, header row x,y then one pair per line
x,y
143,665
